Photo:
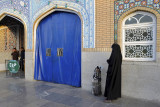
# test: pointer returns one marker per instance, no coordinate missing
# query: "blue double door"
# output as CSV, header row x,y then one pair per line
x,y
60,33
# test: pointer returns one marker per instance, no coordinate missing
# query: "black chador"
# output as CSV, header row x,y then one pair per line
x,y
113,80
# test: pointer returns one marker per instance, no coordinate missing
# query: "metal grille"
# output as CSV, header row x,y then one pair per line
x,y
139,34
139,51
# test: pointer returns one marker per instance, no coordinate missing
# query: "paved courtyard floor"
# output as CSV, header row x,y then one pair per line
x,y
16,92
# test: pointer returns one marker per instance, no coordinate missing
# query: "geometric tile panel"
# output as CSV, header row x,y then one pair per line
x,y
139,34
139,51
20,6
8,38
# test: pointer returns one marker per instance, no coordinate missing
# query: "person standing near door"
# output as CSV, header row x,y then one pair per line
x,y
22,58
15,54
113,79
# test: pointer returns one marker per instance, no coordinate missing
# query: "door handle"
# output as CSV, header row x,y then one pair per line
x,y
59,51
48,52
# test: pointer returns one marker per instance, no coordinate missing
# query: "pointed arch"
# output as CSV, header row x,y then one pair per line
x,y
132,10
21,18
75,8
139,39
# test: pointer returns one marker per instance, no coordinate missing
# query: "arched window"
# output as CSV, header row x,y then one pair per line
x,y
139,37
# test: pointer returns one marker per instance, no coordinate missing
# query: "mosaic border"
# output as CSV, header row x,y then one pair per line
x,y
123,6
26,8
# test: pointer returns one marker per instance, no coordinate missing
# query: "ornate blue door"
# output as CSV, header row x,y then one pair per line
x,y
60,35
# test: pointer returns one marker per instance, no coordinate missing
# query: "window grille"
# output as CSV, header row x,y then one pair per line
x,y
139,37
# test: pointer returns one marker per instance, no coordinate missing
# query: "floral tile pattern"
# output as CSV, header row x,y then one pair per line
x,y
29,10
122,6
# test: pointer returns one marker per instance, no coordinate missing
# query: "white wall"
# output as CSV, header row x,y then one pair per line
x,y
139,79
90,60
29,69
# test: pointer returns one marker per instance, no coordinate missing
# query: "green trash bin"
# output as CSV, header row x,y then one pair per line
x,y
13,66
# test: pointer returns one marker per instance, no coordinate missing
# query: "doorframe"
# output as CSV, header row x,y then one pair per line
x,y
41,17
20,19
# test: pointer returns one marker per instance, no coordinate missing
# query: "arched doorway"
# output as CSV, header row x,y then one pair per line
x,y
12,31
58,49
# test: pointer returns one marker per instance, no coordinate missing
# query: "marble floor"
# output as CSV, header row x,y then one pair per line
x,y
17,92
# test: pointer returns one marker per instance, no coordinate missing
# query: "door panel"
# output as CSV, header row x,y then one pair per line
x,y
59,30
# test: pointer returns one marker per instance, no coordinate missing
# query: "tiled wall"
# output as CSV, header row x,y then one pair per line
x,y
8,41
29,10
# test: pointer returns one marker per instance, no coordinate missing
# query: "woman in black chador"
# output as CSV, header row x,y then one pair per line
x,y
113,80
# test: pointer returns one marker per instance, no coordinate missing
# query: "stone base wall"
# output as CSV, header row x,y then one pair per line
x,y
90,60
29,67
139,79
4,56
